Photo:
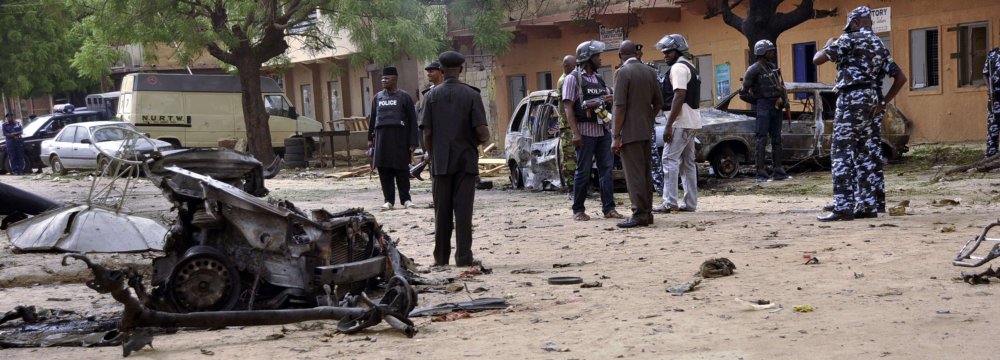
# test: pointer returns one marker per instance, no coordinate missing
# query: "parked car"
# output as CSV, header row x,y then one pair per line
x,y
84,145
727,137
43,128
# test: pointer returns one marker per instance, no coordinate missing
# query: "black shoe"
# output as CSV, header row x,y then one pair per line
x,y
828,207
881,208
836,216
631,223
865,214
474,262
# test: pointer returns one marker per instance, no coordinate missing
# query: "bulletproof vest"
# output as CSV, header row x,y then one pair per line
x,y
390,109
589,91
693,94
767,84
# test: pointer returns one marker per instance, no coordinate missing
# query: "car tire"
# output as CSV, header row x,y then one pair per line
x,y
103,166
725,163
57,166
516,180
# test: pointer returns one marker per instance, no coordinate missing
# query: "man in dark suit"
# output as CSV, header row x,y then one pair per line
x,y
454,123
637,100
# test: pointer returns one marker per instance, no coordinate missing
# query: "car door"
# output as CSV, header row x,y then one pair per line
x,y
85,153
798,136
517,145
544,131
61,145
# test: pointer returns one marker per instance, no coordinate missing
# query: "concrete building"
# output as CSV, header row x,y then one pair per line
x,y
941,45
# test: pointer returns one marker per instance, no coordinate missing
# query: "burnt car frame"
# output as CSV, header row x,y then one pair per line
x,y
531,146
727,138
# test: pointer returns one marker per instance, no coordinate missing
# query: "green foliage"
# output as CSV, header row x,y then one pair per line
x,y
485,19
381,30
36,46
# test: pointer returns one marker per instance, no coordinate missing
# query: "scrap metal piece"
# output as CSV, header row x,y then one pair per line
x,y
717,267
966,257
479,304
87,228
17,204
232,167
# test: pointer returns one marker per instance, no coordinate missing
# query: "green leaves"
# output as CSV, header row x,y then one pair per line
x,y
36,46
382,30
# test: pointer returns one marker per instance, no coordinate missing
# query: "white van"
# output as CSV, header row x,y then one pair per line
x,y
199,110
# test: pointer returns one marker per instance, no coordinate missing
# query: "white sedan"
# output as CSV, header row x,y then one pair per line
x,y
76,146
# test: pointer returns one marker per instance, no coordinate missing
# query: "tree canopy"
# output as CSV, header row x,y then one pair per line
x,y
36,46
248,33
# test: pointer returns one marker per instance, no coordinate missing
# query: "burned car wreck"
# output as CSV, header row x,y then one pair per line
x,y
727,139
234,259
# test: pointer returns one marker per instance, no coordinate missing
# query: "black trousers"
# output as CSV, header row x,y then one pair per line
x,y
454,196
392,178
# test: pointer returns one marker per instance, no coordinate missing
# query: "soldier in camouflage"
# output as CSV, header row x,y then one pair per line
x,y
991,73
567,151
862,61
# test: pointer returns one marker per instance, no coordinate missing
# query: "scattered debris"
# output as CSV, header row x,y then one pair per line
x,y
716,267
946,202
947,229
591,284
803,308
966,257
754,305
455,288
812,260
678,290
943,311
479,304
771,246
207,352
525,271
981,278
563,265
552,347
565,280
459,314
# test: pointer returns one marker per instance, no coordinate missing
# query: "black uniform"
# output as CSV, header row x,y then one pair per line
x,y
764,81
452,111
392,128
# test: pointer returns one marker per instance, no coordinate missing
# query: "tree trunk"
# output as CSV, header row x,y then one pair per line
x,y
255,115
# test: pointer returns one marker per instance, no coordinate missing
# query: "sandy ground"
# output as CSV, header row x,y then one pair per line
x,y
884,288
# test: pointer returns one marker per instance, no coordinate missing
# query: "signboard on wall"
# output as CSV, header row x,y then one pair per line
x,y
721,81
612,37
881,19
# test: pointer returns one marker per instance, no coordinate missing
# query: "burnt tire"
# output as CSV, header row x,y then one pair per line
x,y
516,179
725,163
204,280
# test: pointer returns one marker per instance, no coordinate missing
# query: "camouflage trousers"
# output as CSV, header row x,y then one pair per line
x,y
850,153
657,166
992,128
870,194
567,153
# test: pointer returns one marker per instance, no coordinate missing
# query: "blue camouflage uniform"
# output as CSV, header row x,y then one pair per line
x,y
15,146
862,61
871,177
992,72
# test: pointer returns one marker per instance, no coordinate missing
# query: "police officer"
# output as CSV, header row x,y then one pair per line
x,y
862,60
764,83
584,94
12,130
392,133
454,124
991,73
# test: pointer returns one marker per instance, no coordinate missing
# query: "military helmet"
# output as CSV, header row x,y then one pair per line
x,y
588,49
672,42
761,47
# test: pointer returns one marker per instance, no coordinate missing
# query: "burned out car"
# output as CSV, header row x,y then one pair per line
x,y
531,146
727,138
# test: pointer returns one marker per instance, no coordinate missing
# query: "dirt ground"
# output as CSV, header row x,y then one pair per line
x,y
883,287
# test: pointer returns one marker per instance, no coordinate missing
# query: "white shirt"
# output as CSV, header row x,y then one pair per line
x,y
689,118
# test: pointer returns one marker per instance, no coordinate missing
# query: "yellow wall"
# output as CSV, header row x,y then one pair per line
x,y
947,114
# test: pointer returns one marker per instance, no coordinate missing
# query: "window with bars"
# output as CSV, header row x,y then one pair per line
x,y
973,40
924,59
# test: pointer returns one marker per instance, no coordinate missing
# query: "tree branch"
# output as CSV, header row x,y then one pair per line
x,y
731,19
805,11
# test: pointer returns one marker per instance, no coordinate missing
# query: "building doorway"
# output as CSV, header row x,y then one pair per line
x,y
517,89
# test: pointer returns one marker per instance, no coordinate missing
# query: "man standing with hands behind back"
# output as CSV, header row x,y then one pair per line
x,y
12,130
454,123
637,100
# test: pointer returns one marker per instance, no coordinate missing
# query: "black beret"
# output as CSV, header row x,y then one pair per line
x,y
389,70
451,59
433,66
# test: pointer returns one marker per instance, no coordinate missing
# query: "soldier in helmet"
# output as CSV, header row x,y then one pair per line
x,y
681,97
584,95
862,62
764,83
454,124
